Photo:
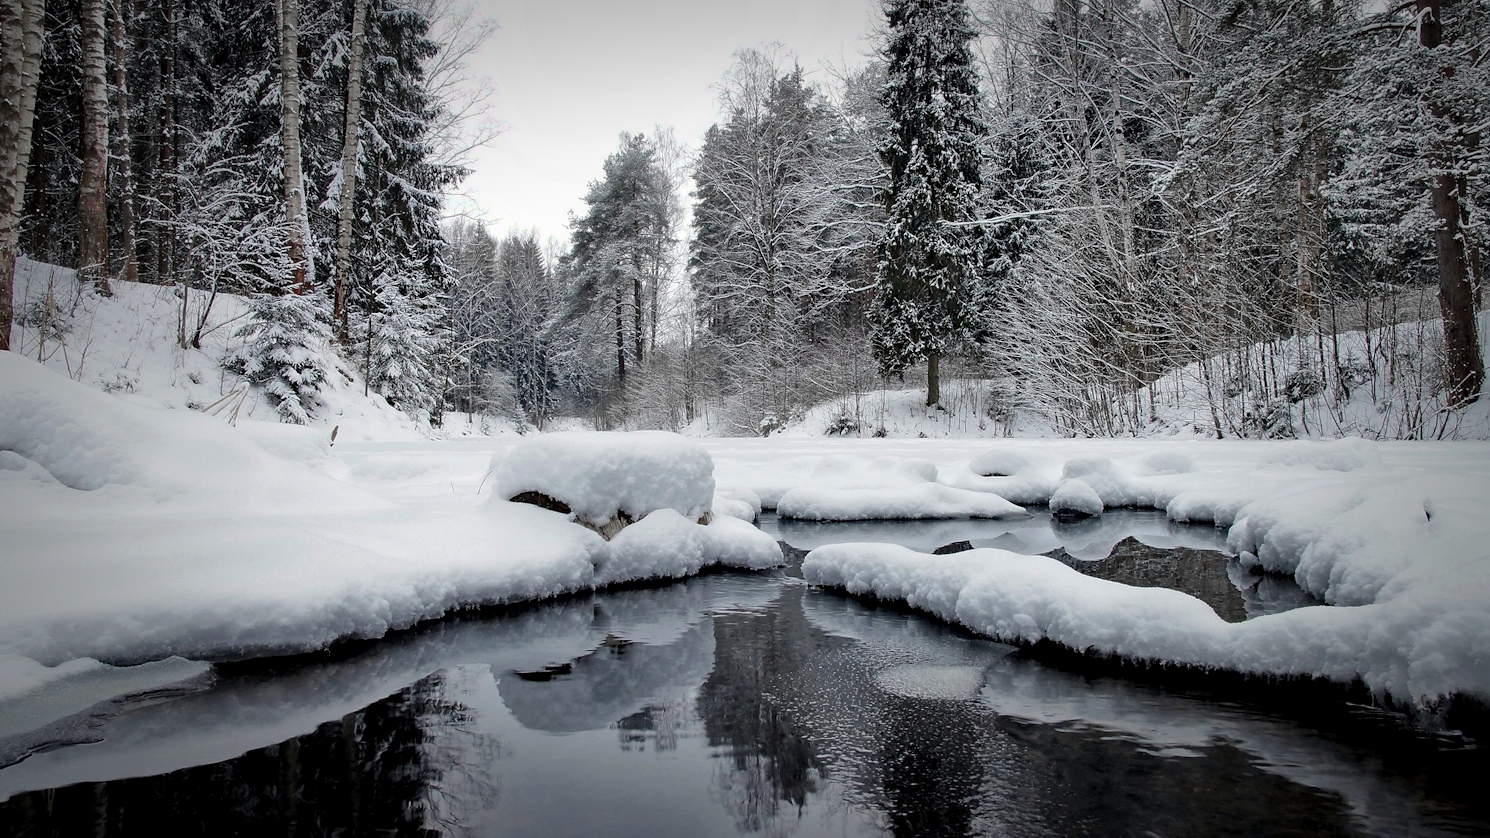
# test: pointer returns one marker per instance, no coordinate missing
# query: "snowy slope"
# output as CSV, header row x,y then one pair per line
x,y
128,345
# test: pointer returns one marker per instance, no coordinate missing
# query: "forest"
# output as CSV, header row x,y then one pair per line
x,y
1268,213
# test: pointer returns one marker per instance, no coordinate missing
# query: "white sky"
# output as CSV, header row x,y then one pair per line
x,y
570,75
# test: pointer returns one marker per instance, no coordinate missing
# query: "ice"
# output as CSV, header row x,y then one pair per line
x,y
598,474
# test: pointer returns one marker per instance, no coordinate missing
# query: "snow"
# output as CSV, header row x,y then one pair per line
x,y
845,488
602,474
1395,531
1075,497
127,345
135,533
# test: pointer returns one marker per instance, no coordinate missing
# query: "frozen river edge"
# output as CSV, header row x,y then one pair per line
x,y
136,534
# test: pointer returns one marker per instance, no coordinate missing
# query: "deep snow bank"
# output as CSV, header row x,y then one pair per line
x,y
1400,548
133,532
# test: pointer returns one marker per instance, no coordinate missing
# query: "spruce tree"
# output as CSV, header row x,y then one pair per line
x,y
927,288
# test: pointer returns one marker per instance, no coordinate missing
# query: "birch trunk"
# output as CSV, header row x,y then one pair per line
x,y
93,219
349,151
289,111
129,265
20,69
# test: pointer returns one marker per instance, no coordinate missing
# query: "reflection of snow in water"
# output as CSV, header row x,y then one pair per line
x,y
868,706
1158,722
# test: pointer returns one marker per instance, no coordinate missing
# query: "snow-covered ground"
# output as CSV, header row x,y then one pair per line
x,y
129,345
1392,535
135,529
133,532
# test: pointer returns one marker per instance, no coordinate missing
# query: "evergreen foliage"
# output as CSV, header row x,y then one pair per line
x,y
929,286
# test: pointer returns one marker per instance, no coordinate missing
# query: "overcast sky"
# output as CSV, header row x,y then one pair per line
x,y
569,75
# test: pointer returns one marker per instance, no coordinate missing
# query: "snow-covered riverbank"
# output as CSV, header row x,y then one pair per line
x,y
136,533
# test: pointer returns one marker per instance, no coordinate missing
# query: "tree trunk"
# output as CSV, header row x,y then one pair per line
x,y
93,219
933,379
349,145
289,111
20,69
639,338
165,234
1464,372
129,266
620,340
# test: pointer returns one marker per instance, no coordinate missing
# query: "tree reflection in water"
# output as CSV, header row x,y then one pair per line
x,y
766,762
411,764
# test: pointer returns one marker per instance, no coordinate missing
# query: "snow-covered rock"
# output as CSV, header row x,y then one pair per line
x,y
737,502
599,476
1075,499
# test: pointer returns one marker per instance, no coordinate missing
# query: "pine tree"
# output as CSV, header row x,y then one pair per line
x,y
927,288
613,249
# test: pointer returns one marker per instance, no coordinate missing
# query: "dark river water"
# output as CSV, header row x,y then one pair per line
x,y
752,704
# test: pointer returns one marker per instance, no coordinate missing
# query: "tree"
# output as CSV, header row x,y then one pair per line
x,y
297,225
21,24
614,249
347,176
93,221
1464,371
925,297
129,260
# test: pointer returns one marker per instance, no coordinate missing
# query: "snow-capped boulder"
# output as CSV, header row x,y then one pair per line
x,y
606,480
1075,499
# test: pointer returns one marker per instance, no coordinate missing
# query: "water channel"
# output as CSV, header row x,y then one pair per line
x,y
752,704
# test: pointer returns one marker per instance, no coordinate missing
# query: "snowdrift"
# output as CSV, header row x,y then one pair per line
x,y
1397,545
135,533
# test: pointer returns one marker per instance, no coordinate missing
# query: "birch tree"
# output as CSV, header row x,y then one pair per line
x,y
297,224
93,221
347,189
21,24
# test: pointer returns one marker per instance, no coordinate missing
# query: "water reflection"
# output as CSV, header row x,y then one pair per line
x,y
1140,547
726,705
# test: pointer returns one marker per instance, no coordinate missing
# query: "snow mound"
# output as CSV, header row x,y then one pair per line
x,y
1075,498
89,441
666,545
599,475
848,488
1418,647
921,501
738,502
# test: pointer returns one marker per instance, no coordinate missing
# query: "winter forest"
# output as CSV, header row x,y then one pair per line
x,y
1231,219
476,417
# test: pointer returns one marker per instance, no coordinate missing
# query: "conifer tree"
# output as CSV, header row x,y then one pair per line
x,y
927,288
